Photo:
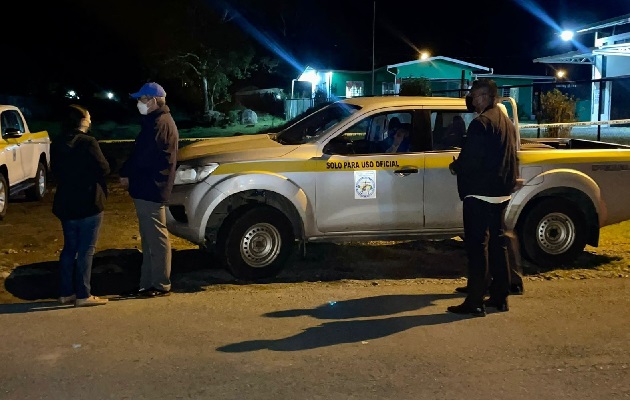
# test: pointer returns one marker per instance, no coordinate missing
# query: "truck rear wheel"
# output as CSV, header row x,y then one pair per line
x,y
553,233
37,191
4,196
257,243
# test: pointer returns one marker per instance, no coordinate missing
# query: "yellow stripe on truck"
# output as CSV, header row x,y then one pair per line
x,y
388,163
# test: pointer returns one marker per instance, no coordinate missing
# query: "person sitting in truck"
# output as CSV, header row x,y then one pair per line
x,y
400,140
455,133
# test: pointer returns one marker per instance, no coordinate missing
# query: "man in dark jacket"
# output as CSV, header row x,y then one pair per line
x,y
486,169
149,174
79,168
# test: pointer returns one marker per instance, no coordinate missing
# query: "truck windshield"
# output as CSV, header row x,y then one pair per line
x,y
313,125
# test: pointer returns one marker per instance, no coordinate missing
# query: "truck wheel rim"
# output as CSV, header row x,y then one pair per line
x,y
3,196
41,182
261,245
555,233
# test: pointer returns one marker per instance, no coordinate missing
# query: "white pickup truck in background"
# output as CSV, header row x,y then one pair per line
x,y
329,177
24,158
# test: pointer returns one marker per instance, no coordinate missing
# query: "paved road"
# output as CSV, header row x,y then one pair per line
x,y
385,339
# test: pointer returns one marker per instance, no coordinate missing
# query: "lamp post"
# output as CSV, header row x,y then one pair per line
x,y
373,29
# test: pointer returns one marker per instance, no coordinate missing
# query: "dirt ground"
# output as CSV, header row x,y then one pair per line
x,y
31,239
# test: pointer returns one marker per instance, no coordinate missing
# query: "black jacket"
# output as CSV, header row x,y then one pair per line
x,y
79,168
488,163
153,160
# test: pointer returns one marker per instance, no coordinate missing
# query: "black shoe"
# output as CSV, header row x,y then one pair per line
x,y
516,289
156,293
462,289
136,293
500,305
466,309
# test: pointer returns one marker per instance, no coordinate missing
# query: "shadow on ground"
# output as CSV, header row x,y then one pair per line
x,y
114,272
117,271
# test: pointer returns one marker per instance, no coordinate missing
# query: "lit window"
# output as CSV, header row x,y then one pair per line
x,y
354,88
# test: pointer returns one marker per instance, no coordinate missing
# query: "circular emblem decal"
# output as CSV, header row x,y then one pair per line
x,y
365,186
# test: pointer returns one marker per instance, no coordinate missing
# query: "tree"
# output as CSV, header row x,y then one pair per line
x,y
213,71
415,87
558,107
207,52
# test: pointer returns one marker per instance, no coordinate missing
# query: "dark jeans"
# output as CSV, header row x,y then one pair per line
x,y
79,245
487,249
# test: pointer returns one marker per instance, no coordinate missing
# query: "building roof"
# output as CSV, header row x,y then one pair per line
x,y
442,58
526,77
587,55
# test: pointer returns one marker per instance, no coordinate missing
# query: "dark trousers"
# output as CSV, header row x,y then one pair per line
x,y
79,245
486,248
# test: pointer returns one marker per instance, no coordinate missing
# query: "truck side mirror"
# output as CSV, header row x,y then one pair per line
x,y
12,133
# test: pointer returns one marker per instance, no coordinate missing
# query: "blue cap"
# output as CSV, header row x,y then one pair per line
x,y
149,89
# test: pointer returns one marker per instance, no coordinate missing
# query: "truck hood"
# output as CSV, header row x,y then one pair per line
x,y
235,148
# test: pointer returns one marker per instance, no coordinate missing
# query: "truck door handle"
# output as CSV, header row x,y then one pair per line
x,y
406,171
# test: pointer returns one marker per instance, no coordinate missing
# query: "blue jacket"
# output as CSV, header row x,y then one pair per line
x,y
153,160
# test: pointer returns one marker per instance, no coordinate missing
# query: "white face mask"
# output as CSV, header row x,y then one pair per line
x,y
143,108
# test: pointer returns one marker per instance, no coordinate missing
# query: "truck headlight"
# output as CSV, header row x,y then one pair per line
x,y
186,174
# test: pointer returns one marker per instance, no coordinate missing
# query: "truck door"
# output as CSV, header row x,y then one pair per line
x,y
11,146
373,190
442,206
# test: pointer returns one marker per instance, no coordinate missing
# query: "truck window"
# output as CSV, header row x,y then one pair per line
x,y
11,120
448,128
371,135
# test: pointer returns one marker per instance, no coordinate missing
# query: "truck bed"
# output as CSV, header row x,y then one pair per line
x,y
568,143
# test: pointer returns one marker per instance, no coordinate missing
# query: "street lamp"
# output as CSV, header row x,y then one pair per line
x,y
566,35
561,73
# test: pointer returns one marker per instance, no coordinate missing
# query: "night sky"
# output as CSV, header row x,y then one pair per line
x,y
102,43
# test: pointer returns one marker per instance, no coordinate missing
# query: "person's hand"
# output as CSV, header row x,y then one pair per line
x,y
124,183
451,166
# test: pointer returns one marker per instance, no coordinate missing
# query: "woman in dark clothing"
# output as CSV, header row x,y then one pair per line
x,y
79,168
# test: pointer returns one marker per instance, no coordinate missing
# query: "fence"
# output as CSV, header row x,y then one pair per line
x,y
295,107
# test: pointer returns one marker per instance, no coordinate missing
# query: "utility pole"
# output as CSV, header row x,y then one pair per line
x,y
373,29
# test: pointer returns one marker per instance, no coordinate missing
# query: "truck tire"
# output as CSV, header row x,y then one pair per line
x,y
553,233
4,196
257,243
37,191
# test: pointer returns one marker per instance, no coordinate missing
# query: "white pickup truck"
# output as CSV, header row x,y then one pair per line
x,y
24,158
328,177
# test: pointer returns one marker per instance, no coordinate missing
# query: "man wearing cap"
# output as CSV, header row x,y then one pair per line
x,y
148,174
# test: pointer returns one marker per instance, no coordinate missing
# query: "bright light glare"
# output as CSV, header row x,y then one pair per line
x,y
566,35
561,73
110,95
310,75
424,55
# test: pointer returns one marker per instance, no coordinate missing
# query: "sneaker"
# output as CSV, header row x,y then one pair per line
x,y
90,301
67,299
157,293
466,309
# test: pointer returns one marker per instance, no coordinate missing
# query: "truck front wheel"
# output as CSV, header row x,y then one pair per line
x,y
553,233
4,196
38,190
257,243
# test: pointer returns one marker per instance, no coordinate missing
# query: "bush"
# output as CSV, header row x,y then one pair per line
x,y
415,87
558,107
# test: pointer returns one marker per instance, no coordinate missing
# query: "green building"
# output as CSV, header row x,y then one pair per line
x,y
448,77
